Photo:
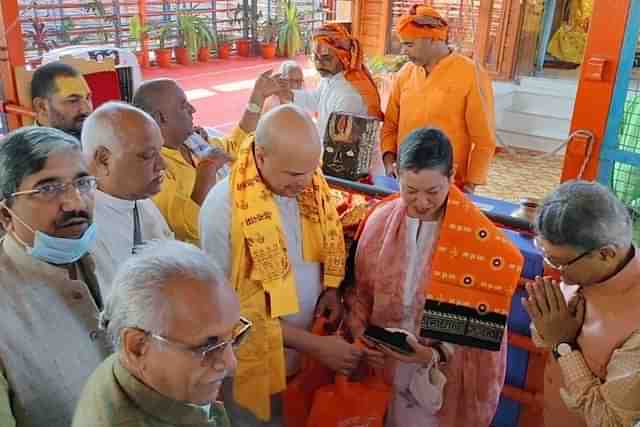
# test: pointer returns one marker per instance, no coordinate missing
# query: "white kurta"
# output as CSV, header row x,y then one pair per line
x,y
406,409
336,94
215,239
114,221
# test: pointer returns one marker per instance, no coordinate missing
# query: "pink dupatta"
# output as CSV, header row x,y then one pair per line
x,y
474,377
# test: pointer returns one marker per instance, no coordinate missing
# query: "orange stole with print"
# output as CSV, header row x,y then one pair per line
x,y
474,274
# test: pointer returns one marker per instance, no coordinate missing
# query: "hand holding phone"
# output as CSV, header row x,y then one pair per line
x,y
392,338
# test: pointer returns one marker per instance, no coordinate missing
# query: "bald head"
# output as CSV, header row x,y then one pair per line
x,y
122,145
287,127
167,103
154,94
288,149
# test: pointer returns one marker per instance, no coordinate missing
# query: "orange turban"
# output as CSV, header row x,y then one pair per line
x,y
347,49
422,22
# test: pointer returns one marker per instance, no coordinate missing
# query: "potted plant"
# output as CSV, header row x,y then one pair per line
x,y
205,38
241,15
137,33
163,54
290,40
269,31
187,37
223,46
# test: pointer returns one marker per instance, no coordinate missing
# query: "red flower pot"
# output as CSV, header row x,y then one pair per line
x,y
204,54
244,47
268,50
224,49
143,60
163,57
183,56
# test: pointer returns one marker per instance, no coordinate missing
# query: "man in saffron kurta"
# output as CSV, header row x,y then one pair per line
x,y
190,174
273,229
441,89
433,244
590,321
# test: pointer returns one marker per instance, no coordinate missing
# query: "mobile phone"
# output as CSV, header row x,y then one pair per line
x,y
198,146
395,339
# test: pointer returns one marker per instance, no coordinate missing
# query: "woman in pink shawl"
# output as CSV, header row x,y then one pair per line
x,y
440,384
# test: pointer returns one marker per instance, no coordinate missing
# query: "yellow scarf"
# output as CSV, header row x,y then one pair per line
x,y
260,266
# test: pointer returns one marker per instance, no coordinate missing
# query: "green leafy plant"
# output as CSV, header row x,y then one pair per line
x,y
65,33
269,30
290,40
191,30
206,38
165,33
137,31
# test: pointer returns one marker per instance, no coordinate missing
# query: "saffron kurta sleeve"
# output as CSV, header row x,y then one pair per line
x,y
6,416
180,211
480,118
390,127
232,142
614,402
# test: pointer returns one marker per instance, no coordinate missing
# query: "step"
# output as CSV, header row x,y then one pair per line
x,y
560,107
531,142
556,87
504,101
533,124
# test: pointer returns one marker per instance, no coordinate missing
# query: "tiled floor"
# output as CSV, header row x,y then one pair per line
x,y
523,173
219,90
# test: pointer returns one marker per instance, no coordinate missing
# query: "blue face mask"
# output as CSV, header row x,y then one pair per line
x,y
58,250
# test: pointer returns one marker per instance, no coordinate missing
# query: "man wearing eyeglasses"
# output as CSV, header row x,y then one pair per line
x,y
174,322
49,295
122,146
590,321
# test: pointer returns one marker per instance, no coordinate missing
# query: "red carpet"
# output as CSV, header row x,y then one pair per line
x,y
223,109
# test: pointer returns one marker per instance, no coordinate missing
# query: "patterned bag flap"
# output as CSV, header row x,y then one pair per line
x,y
348,145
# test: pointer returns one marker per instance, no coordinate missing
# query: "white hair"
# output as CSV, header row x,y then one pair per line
x,y
287,66
104,127
136,299
584,215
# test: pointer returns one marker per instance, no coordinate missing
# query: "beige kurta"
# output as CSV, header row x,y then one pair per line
x,y
49,339
115,398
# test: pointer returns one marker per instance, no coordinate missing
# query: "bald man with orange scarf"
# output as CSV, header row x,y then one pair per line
x,y
346,84
441,89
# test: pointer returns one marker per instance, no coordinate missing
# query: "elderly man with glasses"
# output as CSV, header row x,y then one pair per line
x,y
590,321
49,295
174,322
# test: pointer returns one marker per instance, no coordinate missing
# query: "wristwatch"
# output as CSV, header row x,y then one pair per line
x,y
563,349
254,108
